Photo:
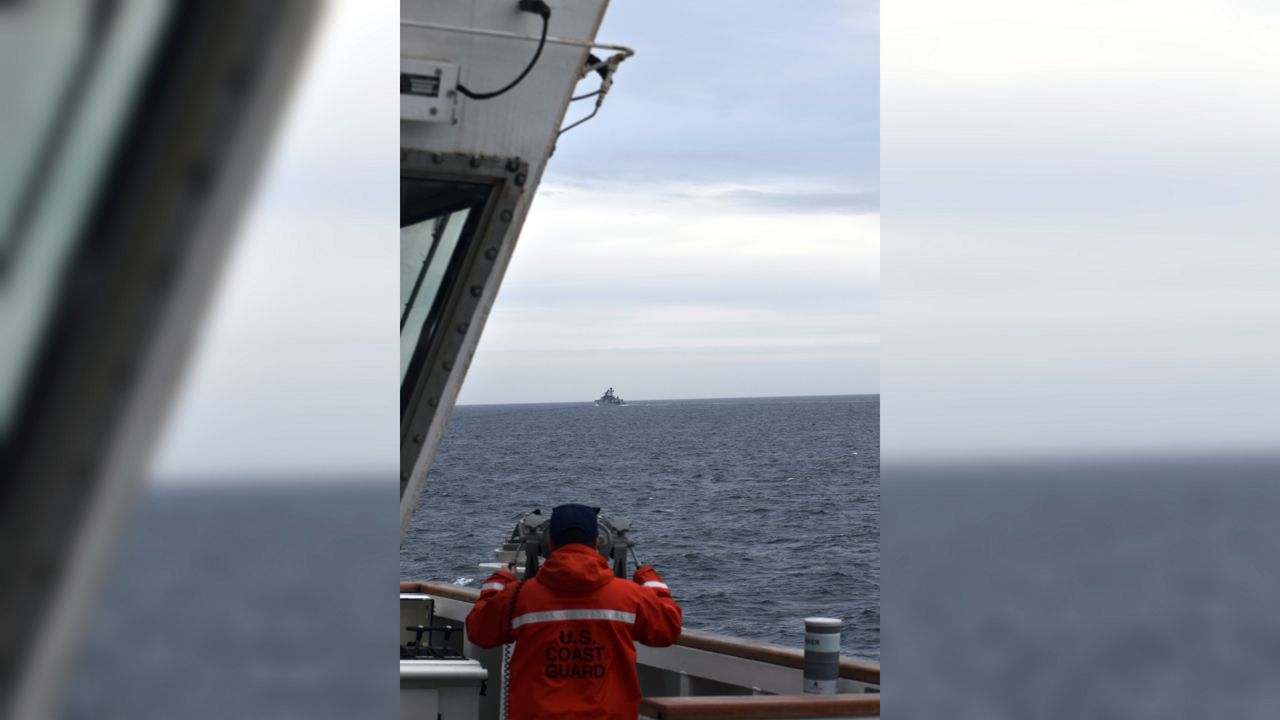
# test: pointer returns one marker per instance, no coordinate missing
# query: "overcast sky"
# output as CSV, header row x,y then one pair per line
x,y
714,232
1083,256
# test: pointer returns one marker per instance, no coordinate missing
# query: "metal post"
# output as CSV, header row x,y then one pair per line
x,y
821,655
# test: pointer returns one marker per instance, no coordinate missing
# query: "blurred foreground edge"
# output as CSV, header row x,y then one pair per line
x,y
124,310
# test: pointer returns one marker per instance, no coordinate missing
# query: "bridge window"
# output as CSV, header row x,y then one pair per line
x,y
437,222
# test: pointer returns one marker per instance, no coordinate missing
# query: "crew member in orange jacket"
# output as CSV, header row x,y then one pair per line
x,y
575,626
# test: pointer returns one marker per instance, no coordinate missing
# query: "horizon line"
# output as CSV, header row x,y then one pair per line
x,y
672,399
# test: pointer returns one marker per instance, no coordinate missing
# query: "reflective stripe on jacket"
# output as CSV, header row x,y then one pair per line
x,y
575,626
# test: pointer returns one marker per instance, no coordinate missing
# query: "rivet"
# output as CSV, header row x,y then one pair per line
x,y
417,439
520,178
491,253
447,365
437,158
433,111
513,164
433,401
462,327
506,216
477,290
475,161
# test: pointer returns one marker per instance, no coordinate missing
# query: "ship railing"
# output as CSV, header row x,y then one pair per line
x,y
704,675
760,707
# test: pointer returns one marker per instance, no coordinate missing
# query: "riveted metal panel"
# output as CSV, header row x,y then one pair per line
x,y
429,392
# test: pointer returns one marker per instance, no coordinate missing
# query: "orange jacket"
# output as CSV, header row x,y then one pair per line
x,y
575,626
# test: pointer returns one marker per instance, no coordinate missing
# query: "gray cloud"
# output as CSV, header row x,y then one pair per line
x,y
743,91
832,202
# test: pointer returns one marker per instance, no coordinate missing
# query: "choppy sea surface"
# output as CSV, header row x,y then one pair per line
x,y
271,597
757,512
262,598
1143,587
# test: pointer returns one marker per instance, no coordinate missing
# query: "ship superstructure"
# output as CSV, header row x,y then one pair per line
x,y
610,398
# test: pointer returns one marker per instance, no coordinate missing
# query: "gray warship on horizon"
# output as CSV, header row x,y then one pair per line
x,y
609,398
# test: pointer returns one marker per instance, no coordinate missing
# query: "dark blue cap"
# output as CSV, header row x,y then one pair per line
x,y
573,517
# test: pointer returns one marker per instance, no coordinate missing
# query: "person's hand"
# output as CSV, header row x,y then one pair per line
x,y
648,577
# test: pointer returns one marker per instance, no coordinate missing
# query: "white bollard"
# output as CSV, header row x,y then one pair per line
x,y
821,655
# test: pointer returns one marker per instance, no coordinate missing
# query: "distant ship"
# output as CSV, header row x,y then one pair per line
x,y
608,398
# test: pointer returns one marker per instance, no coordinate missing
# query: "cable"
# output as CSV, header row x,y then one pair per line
x,y
599,67
507,651
605,69
543,11
506,682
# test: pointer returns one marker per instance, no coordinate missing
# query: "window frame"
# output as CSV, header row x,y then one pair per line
x,y
466,237
436,371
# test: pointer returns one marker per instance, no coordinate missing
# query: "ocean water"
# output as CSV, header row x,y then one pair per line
x,y
270,598
1083,588
258,599
757,512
